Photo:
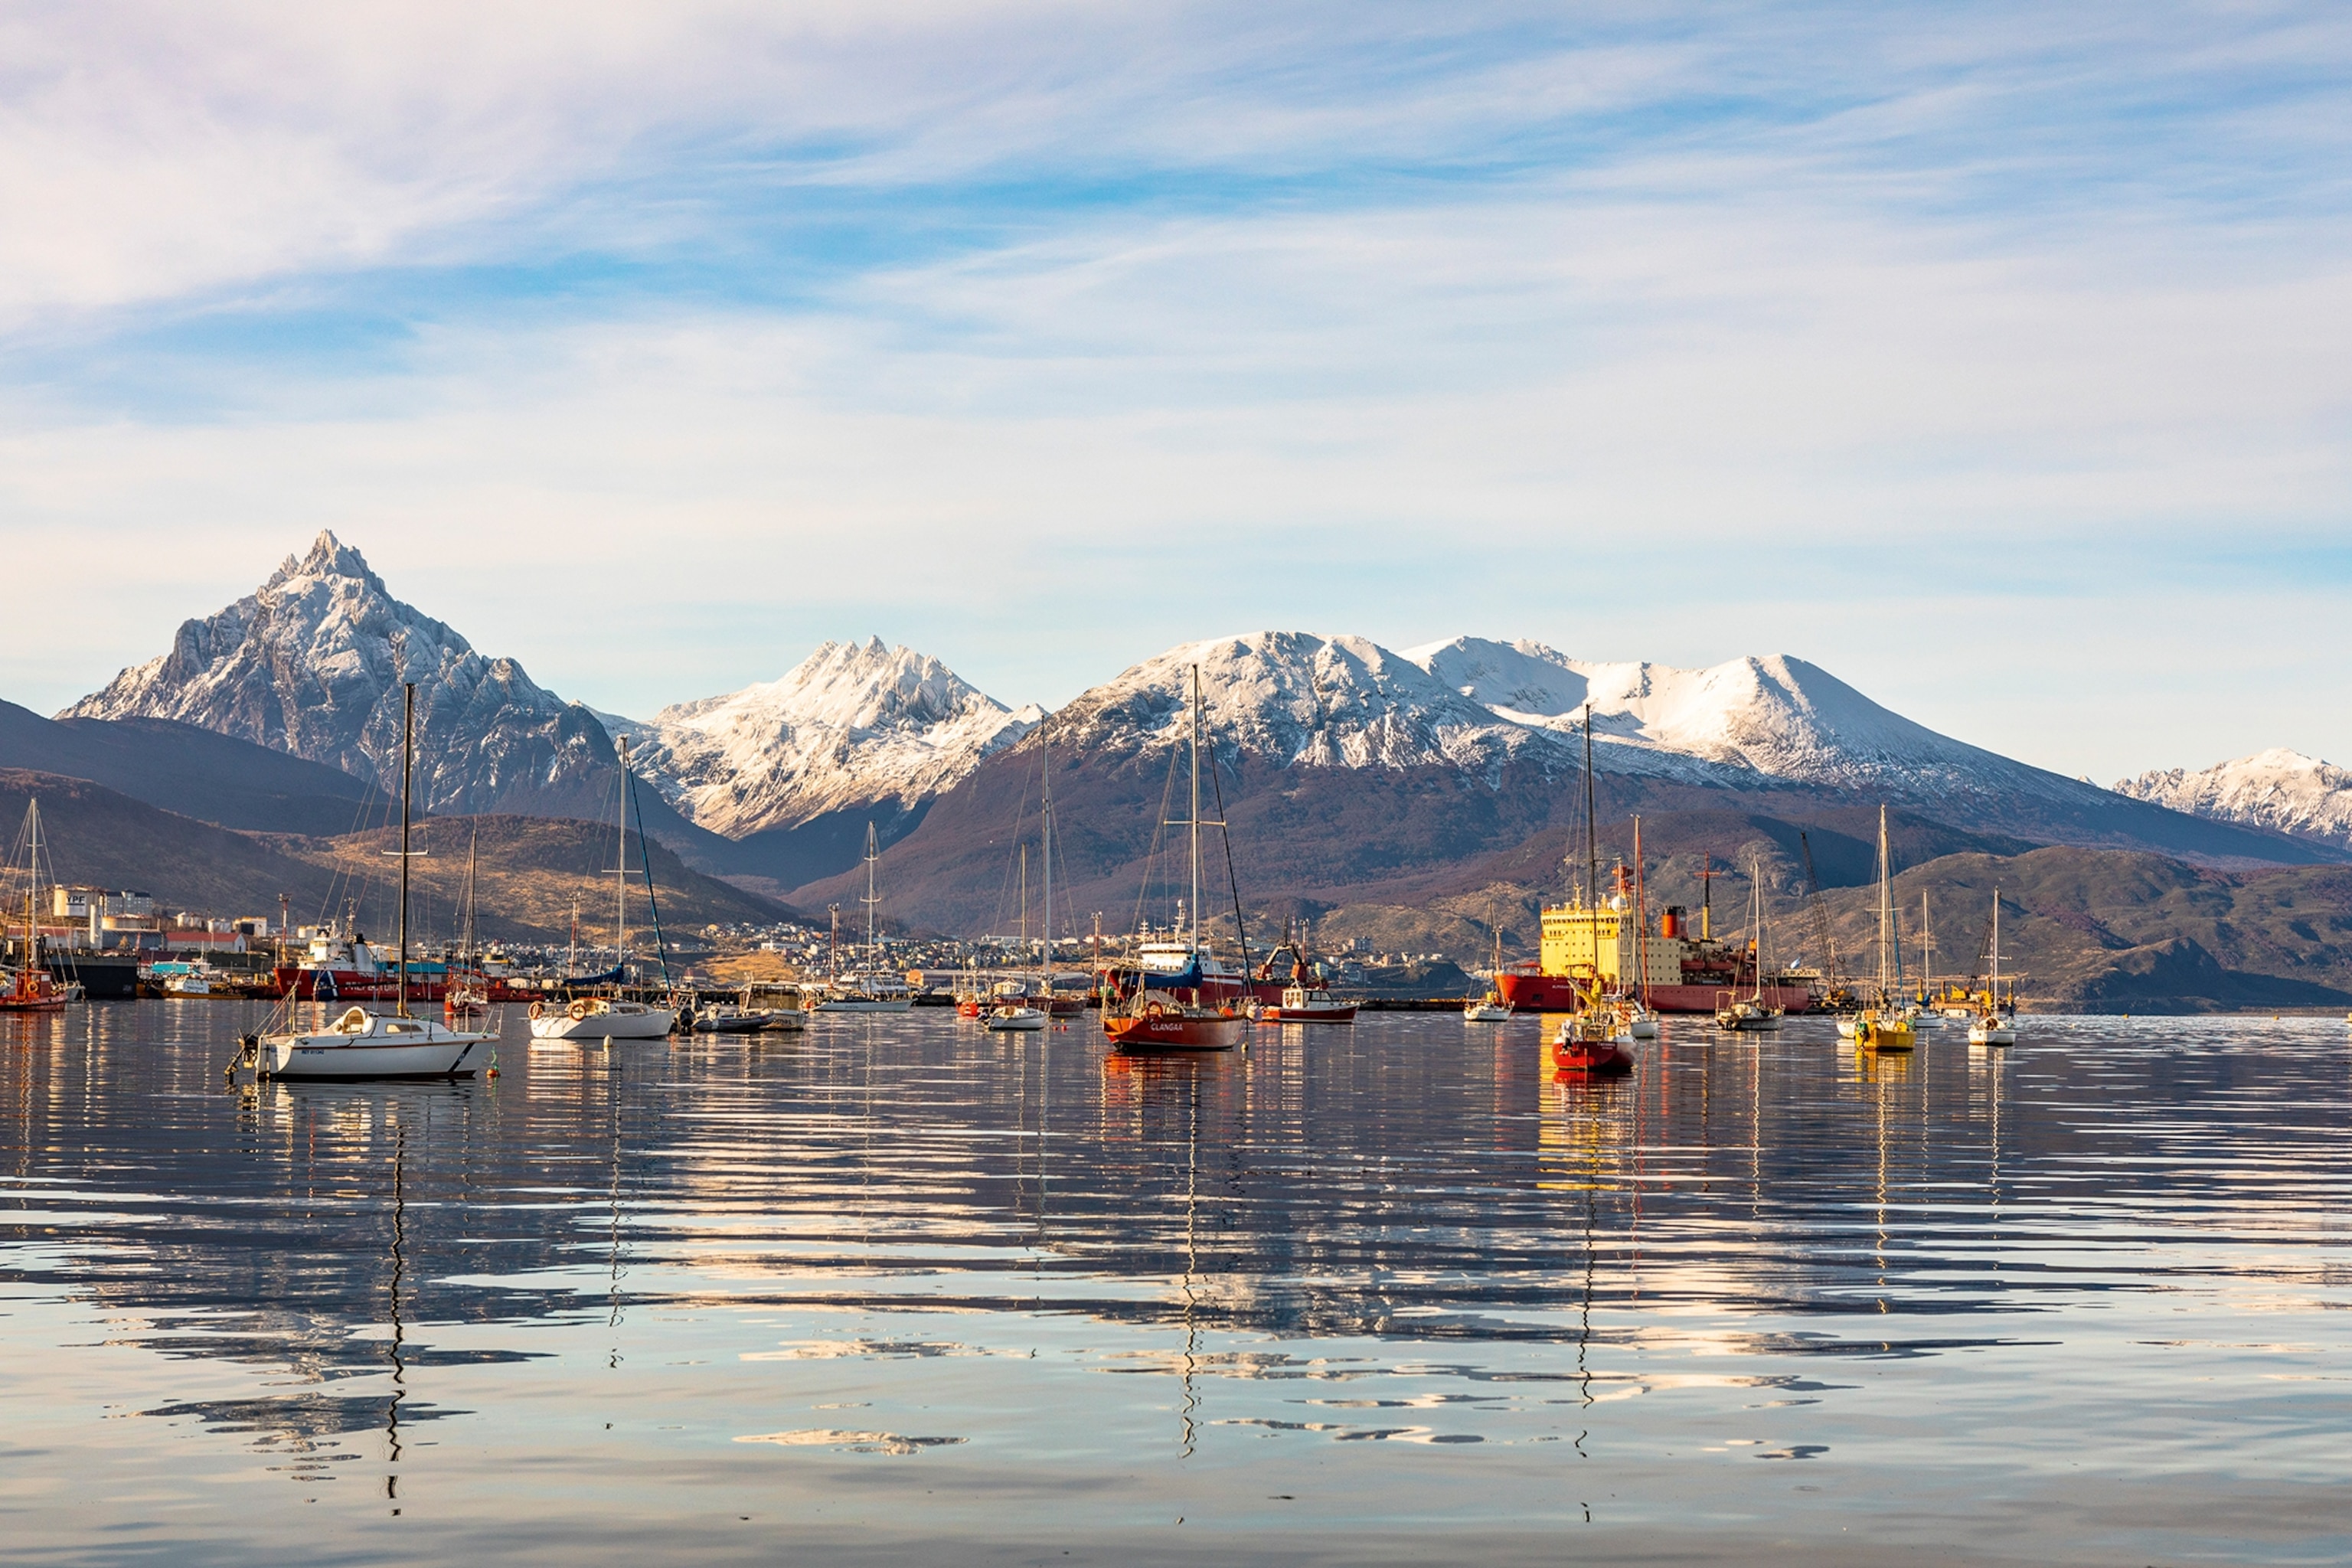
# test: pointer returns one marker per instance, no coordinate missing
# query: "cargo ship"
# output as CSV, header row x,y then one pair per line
x,y
1603,949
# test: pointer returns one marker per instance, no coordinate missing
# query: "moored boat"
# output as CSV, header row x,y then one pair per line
x,y
1588,1042
1184,1018
364,1045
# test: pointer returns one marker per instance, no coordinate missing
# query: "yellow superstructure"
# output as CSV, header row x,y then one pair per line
x,y
1606,943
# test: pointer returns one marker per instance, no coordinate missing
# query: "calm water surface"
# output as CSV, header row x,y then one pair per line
x,y
896,1290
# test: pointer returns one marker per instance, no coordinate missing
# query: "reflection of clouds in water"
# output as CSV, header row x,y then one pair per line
x,y
875,1350
851,1442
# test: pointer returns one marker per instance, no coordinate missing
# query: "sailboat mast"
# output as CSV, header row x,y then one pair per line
x,y
1045,909
1755,893
32,887
621,899
1592,833
1641,915
1195,822
1996,948
1885,914
873,953
408,767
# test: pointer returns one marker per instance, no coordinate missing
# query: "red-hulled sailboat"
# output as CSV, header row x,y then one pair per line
x,y
1182,1017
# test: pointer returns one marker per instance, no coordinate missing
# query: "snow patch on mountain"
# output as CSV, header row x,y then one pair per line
x,y
2280,789
851,725
313,663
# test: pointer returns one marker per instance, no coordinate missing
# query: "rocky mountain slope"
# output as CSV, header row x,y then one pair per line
x,y
312,662
2277,789
215,778
531,867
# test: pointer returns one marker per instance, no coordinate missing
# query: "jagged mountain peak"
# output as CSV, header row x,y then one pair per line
x,y
2279,788
853,724
329,557
312,662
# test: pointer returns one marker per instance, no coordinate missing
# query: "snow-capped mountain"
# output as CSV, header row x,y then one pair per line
x,y
1308,700
2277,789
852,725
1771,716
313,663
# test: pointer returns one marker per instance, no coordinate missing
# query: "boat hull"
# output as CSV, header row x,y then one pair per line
x,y
1345,1013
1590,1058
1176,1031
653,1023
322,1058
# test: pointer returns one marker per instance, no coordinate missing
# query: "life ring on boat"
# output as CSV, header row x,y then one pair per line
x,y
538,1009
579,1009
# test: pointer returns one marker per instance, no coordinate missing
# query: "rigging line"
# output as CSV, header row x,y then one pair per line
x,y
1225,833
1159,836
1012,849
646,860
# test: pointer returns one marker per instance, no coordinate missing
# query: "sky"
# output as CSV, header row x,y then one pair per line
x,y
1990,355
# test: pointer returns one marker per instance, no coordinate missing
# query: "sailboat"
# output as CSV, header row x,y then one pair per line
x,y
1749,1013
469,995
1634,1012
361,1044
870,991
1174,1024
1989,1028
1490,1008
1883,1026
32,988
611,1016
1591,1040
1014,1016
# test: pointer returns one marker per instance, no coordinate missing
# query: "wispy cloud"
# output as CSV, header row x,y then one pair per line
x,y
1493,319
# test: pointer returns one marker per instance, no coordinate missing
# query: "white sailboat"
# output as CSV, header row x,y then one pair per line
x,y
1018,1017
871,991
613,1016
1991,1027
364,1045
1744,1014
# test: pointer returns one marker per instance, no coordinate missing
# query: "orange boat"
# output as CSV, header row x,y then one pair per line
x,y
1177,1026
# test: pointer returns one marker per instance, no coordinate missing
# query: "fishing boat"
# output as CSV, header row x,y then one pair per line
x,y
364,1045
1185,1020
612,1016
1305,1000
1883,1026
1991,1027
1750,1014
1308,1005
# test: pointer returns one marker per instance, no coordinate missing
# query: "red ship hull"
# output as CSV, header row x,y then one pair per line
x,y
1590,1058
1175,1030
1528,993
356,985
